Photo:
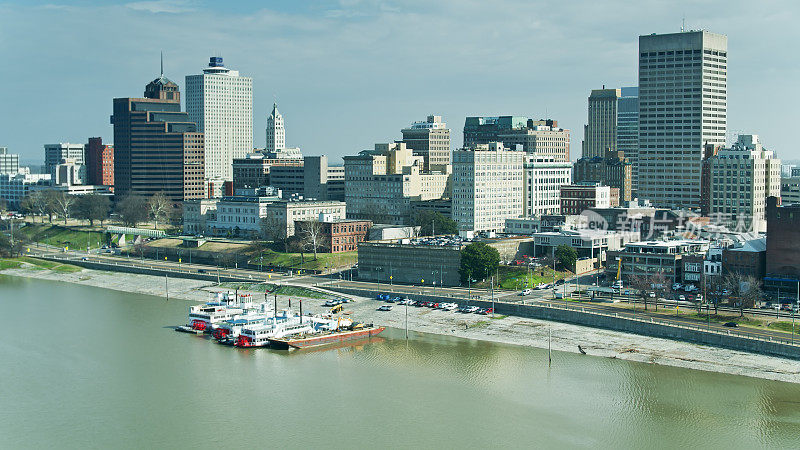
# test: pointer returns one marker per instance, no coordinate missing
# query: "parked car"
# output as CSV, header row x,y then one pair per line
x,y
681,298
676,286
651,294
527,292
385,308
730,324
486,311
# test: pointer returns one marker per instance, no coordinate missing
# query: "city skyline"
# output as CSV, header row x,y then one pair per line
x,y
334,64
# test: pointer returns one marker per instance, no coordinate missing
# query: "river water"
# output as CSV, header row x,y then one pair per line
x,y
90,367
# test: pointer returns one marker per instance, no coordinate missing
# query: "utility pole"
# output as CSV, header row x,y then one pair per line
x,y
492,296
406,318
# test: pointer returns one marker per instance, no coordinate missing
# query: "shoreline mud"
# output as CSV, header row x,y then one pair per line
x,y
502,329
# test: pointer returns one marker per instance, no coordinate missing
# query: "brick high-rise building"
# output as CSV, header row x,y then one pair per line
x,y
156,147
99,162
783,249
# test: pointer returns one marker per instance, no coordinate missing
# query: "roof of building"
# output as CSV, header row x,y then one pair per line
x,y
754,245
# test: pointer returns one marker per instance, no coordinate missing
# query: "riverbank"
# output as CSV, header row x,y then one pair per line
x,y
508,330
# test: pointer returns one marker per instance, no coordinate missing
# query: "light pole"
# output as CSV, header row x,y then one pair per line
x,y
796,304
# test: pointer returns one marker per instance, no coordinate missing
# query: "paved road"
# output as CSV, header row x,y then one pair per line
x,y
172,266
541,295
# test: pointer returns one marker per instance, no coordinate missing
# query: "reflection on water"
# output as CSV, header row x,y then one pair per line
x,y
88,366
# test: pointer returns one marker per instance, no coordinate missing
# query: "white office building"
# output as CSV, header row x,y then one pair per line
x,y
742,177
542,179
55,154
276,133
13,188
9,162
220,101
683,98
487,187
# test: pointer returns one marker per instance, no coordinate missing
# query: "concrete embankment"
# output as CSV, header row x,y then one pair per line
x,y
648,327
125,267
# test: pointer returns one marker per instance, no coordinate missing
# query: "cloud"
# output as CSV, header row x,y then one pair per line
x,y
162,6
347,80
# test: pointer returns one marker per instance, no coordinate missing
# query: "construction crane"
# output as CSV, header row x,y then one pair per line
x,y
619,268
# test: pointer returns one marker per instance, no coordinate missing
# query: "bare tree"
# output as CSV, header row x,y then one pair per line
x,y
158,207
745,289
273,229
651,282
312,233
50,201
63,204
661,285
641,283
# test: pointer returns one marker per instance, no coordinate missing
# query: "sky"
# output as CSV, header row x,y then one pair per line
x,y
347,74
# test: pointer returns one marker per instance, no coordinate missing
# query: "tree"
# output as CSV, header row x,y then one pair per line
x,y
745,289
376,212
36,203
92,207
50,201
312,234
132,209
158,208
566,256
478,259
62,202
431,222
641,282
273,229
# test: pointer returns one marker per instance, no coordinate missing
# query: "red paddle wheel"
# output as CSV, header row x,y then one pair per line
x,y
220,333
243,341
198,325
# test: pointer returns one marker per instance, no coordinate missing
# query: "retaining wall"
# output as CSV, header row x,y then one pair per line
x,y
645,327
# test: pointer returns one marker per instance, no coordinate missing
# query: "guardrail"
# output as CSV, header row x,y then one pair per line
x,y
653,320
647,326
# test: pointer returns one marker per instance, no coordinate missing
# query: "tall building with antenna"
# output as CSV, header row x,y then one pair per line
x,y
276,134
157,148
683,95
220,102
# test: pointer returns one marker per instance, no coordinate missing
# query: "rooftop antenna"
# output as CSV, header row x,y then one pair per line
x,y
683,23
162,63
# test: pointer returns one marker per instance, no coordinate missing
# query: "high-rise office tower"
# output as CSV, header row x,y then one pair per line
x,y
276,134
600,132
613,124
682,107
483,130
487,187
542,137
628,129
156,147
55,153
220,102
430,139
742,178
